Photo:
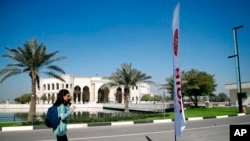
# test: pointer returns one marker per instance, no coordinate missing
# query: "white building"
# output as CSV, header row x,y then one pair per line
x,y
245,88
87,90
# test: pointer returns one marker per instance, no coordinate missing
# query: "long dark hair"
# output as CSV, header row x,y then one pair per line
x,y
59,99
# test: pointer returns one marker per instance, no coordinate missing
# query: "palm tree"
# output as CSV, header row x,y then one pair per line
x,y
126,77
186,86
169,86
31,59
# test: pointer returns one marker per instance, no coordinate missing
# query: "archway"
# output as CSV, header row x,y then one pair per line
x,y
77,94
118,95
85,94
103,95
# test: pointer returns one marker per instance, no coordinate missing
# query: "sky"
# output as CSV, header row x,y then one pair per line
x,y
97,36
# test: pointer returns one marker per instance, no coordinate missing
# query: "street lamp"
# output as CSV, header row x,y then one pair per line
x,y
236,55
164,107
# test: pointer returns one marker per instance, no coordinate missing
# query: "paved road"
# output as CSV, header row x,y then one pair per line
x,y
202,130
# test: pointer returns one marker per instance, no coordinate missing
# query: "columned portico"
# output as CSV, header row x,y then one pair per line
x,y
87,90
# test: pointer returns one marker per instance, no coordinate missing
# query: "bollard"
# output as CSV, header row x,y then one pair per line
x,y
244,110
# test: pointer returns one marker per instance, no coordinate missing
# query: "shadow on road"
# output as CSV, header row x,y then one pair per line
x,y
148,139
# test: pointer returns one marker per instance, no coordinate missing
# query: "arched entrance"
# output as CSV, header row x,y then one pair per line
x,y
85,94
77,94
118,95
103,95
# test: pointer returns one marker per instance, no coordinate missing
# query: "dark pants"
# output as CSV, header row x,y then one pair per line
x,y
62,138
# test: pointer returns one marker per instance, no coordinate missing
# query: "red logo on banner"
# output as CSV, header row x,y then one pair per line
x,y
175,42
178,89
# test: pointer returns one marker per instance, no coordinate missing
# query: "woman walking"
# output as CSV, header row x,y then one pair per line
x,y
64,109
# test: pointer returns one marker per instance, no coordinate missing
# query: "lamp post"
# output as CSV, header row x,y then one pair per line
x,y
164,106
236,55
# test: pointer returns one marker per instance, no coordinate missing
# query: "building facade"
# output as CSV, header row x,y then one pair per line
x,y
245,88
87,90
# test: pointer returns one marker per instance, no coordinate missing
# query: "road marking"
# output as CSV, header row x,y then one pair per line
x,y
146,133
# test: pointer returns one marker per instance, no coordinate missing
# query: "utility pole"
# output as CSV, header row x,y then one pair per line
x,y
237,62
164,106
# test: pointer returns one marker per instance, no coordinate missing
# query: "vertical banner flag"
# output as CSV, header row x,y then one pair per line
x,y
179,121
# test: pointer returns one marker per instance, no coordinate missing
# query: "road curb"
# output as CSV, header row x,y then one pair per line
x,y
85,125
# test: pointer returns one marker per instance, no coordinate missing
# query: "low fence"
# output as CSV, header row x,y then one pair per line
x,y
41,108
19,112
13,118
157,107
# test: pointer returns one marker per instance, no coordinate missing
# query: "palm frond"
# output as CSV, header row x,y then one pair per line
x,y
31,57
56,68
109,85
8,72
52,74
127,76
16,64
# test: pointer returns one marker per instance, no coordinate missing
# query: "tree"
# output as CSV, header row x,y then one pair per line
x,y
222,97
53,98
194,83
25,98
44,98
157,98
169,86
31,59
168,98
147,97
197,83
49,98
126,77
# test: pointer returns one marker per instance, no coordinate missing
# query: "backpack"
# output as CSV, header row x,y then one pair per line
x,y
52,120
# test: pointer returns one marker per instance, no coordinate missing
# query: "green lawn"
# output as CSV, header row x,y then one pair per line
x,y
208,112
7,124
204,112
